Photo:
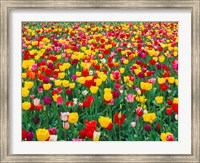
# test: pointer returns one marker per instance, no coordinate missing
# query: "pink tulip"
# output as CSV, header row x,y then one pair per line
x,y
76,139
133,124
64,116
74,77
52,131
152,80
129,98
111,102
116,74
32,97
36,101
59,100
66,125
40,90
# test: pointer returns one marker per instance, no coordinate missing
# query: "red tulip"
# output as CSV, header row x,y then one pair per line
x,y
48,72
115,94
152,62
163,87
30,136
39,107
32,106
85,73
170,102
68,91
170,137
158,126
109,126
175,108
24,133
52,131
89,134
69,103
139,112
119,118
82,134
147,127
168,111
88,101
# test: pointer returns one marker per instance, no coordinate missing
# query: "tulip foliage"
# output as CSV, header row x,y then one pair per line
x,y
100,81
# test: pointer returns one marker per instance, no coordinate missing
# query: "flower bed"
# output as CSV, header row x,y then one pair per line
x,y
95,81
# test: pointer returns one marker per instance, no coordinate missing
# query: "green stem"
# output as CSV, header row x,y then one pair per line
x,y
26,119
47,119
65,134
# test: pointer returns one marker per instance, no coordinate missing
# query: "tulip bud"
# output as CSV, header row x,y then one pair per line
x,y
119,115
170,137
66,125
53,138
32,97
145,111
168,111
133,124
158,126
96,136
176,117
30,136
109,126
52,131
139,111
68,91
64,116
24,134
36,120
36,101
147,127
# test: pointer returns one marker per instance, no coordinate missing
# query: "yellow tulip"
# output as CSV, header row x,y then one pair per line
x,y
121,70
61,75
107,90
146,86
28,84
141,99
151,52
65,83
73,117
96,136
104,121
161,58
171,80
67,65
25,92
161,80
175,100
81,80
72,85
57,82
149,117
26,105
108,96
159,99
94,89
98,82
42,134
47,86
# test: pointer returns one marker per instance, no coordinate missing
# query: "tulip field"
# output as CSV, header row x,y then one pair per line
x,y
99,81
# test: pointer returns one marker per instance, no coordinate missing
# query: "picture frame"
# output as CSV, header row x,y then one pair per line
x,y
7,6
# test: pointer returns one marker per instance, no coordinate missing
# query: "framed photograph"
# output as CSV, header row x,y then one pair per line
x,y
100,81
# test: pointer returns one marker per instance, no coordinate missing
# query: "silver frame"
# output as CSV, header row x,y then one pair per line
x,y
7,5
